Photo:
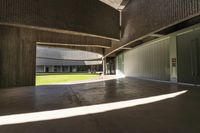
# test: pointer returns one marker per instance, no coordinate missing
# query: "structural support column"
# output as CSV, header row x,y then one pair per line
x,y
44,69
104,66
17,57
173,59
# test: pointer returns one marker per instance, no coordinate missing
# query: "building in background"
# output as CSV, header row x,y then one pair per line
x,y
58,60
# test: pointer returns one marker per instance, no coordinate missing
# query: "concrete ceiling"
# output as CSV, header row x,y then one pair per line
x,y
117,4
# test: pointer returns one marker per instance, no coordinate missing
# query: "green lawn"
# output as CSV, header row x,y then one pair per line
x,y
50,78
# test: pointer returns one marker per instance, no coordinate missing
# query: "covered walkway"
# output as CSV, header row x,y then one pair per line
x,y
179,114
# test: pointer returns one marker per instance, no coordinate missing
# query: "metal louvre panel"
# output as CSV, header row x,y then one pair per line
x,y
149,61
188,51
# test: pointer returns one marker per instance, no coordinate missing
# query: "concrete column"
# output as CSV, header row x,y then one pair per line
x,y
104,66
173,59
44,68
61,69
17,57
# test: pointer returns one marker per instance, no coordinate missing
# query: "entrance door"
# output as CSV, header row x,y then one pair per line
x,y
188,53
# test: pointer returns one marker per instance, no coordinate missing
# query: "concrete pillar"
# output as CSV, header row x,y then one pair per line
x,y
173,59
17,57
61,69
44,70
104,66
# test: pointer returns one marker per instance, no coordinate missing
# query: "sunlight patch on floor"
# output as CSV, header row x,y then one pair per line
x,y
78,111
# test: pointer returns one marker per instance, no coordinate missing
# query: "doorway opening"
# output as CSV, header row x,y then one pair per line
x,y
63,65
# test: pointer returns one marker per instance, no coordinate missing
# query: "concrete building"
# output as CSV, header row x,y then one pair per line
x,y
63,60
153,45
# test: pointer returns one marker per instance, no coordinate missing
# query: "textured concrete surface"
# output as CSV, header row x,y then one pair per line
x,y
18,48
156,15
179,115
89,16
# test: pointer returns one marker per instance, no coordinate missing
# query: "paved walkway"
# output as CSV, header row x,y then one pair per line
x,y
173,115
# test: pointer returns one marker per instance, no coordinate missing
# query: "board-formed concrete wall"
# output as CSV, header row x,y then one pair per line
x,y
142,17
17,57
85,16
18,52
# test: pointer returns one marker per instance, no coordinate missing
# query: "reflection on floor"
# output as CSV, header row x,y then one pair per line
x,y
179,114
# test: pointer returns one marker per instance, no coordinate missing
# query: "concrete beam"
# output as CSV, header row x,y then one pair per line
x,y
71,45
157,35
89,49
140,19
54,38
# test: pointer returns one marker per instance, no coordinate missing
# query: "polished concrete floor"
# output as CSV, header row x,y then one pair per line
x,y
175,115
